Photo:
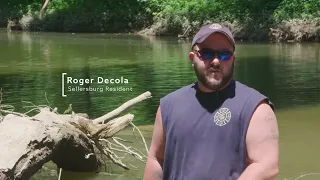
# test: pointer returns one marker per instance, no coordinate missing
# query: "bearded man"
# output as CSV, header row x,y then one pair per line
x,y
216,128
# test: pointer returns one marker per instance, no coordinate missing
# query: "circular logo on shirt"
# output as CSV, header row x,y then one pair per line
x,y
222,116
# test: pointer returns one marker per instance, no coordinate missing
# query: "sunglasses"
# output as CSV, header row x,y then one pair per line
x,y
209,54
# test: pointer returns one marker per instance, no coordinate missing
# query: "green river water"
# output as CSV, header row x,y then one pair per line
x,y
32,64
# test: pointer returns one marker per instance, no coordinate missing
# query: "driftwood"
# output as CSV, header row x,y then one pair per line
x,y
72,141
184,35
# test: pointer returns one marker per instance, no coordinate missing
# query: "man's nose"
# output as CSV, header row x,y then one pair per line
x,y
215,61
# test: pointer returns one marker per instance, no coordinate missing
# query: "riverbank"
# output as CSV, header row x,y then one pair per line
x,y
293,30
279,20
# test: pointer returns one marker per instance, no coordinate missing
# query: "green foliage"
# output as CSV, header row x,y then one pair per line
x,y
78,15
253,18
291,9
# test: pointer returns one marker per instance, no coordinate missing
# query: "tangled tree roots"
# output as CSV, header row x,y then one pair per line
x,y
72,141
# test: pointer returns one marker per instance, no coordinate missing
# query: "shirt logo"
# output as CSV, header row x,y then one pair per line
x,y
222,116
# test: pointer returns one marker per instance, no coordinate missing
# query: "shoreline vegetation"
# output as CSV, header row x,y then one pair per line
x,y
249,20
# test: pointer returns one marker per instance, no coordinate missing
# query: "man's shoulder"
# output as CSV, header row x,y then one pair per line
x,y
245,89
180,93
251,94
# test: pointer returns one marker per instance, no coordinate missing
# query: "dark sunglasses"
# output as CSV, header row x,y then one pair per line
x,y
209,54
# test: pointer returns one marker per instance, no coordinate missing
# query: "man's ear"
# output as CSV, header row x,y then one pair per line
x,y
191,56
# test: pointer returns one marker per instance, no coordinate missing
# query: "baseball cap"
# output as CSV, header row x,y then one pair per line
x,y
208,29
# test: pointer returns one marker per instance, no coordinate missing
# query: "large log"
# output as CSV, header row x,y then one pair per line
x,y
71,141
27,143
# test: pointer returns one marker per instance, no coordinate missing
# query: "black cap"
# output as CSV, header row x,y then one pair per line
x,y
207,30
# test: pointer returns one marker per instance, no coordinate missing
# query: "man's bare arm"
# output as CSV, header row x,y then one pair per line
x,y
153,169
262,145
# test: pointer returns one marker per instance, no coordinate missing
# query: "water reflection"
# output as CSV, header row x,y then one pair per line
x,y
32,63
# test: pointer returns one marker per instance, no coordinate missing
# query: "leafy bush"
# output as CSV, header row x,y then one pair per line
x,y
249,19
292,9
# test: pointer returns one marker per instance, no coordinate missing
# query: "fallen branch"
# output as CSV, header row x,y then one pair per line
x,y
11,112
144,141
129,151
122,108
27,142
111,155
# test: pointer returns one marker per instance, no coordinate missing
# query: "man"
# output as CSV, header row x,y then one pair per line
x,y
216,128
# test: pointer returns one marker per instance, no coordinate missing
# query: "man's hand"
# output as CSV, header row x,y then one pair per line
x,y
262,145
153,170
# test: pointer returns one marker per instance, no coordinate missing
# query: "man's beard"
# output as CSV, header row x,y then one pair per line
x,y
202,77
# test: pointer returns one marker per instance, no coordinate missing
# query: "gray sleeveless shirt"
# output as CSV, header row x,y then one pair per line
x,y
206,132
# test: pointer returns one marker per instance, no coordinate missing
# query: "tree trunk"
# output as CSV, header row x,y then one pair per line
x,y
44,7
71,141
26,144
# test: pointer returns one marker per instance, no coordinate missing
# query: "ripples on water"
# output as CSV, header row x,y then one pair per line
x,y
32,63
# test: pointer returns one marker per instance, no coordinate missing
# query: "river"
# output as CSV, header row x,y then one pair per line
x,y
124,66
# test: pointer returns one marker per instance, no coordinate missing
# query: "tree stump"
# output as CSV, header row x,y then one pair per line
x,y
72,141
